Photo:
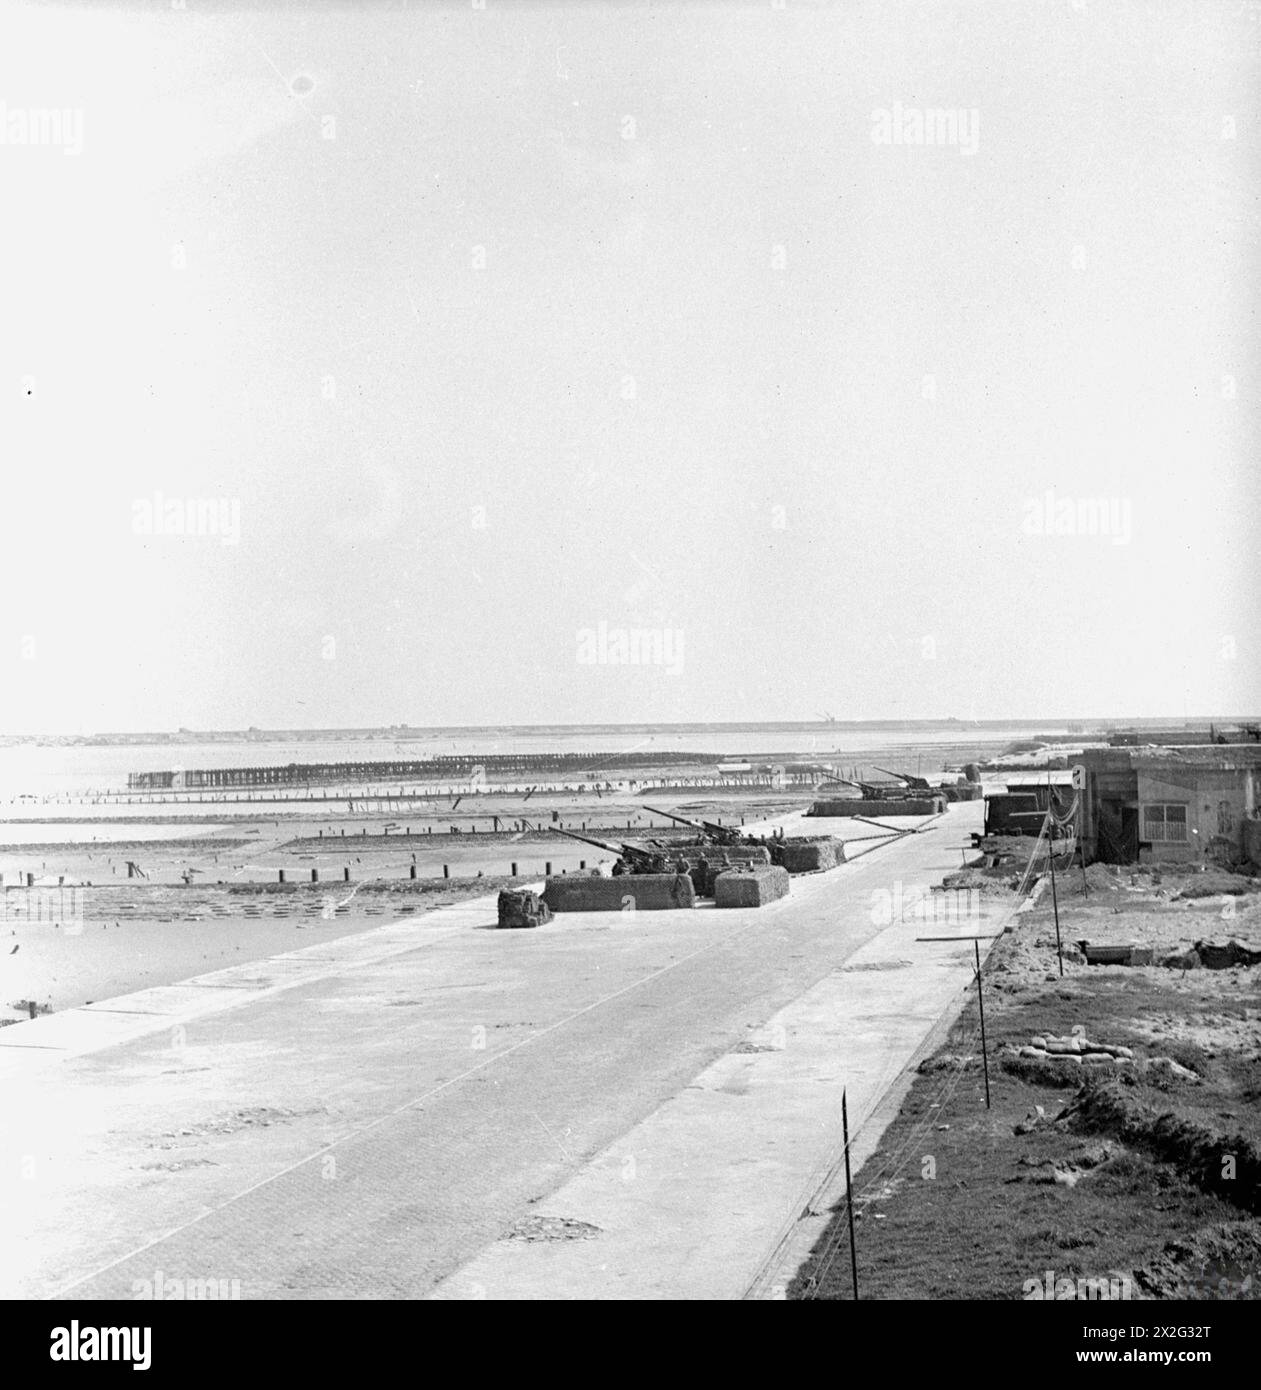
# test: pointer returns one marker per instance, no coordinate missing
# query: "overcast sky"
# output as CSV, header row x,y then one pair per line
x,y
481,328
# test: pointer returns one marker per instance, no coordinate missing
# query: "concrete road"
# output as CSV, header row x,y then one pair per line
x,y
367,1118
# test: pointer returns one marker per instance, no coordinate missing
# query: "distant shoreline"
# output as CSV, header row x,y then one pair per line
x,y
407,733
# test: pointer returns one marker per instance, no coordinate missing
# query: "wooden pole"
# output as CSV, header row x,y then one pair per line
x,y
849,1194
980,1001
1055,901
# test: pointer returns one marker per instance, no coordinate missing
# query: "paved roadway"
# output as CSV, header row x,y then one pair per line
x,y
365,1118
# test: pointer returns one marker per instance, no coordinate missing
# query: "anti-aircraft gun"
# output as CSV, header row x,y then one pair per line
x,y
920,786
637,859
728,836
708,829
869,791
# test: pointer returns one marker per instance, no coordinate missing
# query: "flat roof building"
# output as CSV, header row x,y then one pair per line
x,y
1192,805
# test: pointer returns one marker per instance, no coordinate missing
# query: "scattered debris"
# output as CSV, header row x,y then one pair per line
x,y
1224,957
1031,1121
946,1061
259,1117
1212,955
1067,1173
549,1228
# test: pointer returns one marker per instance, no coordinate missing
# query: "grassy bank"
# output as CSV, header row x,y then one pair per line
x,y
1142,1169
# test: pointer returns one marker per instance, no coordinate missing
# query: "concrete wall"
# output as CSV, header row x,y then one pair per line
x,y
1111,783
761,886
1252,842
1014,813
1218,803
1008,813
626,893
1220,797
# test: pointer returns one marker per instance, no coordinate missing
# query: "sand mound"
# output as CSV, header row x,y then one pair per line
x,y
1219,1262
1227,1164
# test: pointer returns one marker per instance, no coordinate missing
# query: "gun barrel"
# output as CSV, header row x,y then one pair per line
x,y
724,834
585,839
670,815
869,790
905,777
631,853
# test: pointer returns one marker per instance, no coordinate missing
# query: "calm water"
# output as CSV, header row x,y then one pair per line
x,y
40,771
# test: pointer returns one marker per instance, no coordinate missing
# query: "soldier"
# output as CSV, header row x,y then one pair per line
x,y
700,877
619,868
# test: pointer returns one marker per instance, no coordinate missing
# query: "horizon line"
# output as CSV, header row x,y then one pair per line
x,y
254,731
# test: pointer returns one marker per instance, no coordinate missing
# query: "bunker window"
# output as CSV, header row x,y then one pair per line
x,y
1165,822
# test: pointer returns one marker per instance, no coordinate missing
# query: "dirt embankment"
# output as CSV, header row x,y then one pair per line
x,y
1214,1159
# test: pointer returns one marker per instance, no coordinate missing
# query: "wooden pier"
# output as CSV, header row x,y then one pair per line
x,y
455,768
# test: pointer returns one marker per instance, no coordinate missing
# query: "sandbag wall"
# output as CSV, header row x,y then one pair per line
x,y
807,855
755,888
626,893
857,806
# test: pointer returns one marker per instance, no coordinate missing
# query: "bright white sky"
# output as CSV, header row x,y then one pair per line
x,y
687,392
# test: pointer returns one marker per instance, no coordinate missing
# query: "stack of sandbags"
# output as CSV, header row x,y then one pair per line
x,y
1075,1049
930,805
736,855
808,854
521,907
750,887
626,893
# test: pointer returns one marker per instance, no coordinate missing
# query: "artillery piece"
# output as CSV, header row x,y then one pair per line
x,y
636,859
920,786
709,830
871,791
797,855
